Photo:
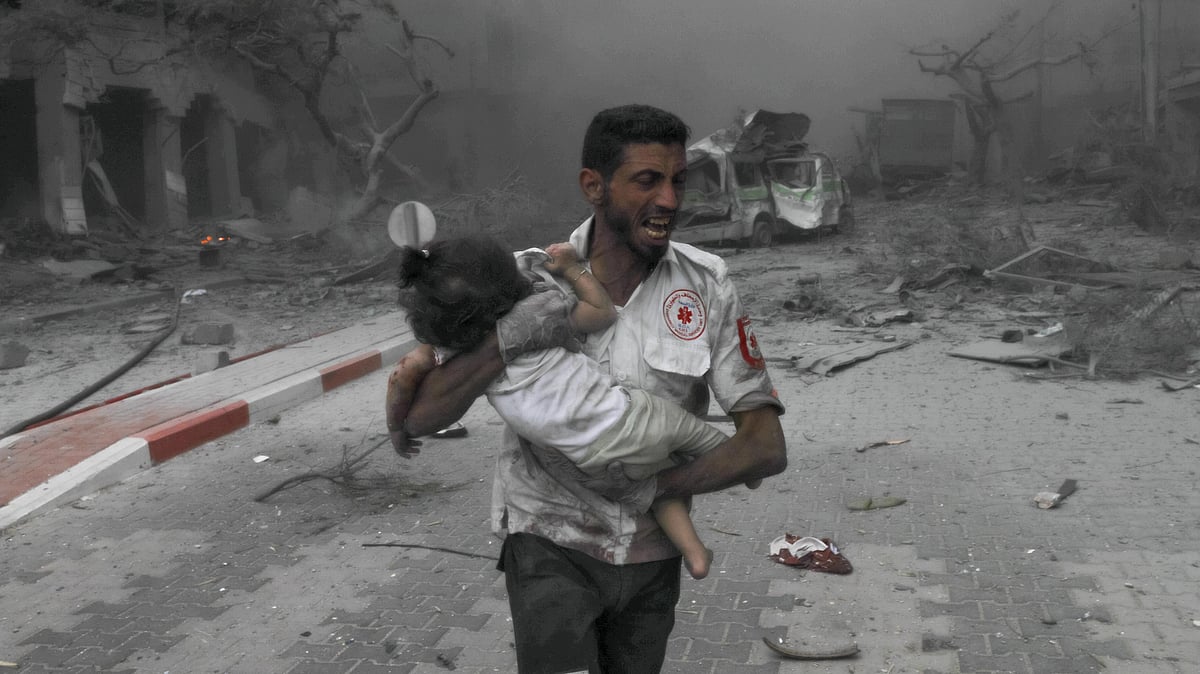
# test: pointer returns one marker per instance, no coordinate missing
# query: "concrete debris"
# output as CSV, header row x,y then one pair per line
x,y
78,269
1033,351
1050,499
13,355
876,503
826,359
207,361
209,333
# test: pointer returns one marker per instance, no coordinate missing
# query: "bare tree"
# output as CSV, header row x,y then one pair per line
x,y
300,43
998,57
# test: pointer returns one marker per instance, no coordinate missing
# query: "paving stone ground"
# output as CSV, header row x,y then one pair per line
x,y
180,570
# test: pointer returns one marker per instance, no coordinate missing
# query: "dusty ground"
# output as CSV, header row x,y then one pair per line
x,y
286,292
272,294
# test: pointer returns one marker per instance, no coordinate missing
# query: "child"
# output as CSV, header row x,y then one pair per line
x,y
454,293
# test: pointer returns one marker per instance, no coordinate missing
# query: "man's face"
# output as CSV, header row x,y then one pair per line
x,y
639,202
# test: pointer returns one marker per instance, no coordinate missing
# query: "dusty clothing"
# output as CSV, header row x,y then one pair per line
x,y
682,332
572,613
562,400
557,399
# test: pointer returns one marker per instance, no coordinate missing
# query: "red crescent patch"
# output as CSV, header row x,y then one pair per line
x,y
685,314
749,343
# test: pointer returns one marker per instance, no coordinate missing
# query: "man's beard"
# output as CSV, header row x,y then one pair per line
x,y
622,225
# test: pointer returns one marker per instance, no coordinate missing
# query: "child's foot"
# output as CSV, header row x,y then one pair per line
x,y
698,564
754,484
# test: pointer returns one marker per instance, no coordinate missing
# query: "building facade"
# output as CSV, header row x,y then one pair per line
x,y
114,125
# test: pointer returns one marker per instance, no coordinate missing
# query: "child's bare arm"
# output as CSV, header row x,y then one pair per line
x,y
595,310
402,387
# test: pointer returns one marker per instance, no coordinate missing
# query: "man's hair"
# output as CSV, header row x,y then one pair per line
x,y
613,129
456,290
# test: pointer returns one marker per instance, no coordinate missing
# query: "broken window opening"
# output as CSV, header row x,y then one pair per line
x,y
794,173
112,133
20,195
193,138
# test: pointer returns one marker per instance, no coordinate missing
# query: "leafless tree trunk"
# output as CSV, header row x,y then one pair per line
x,y
978,71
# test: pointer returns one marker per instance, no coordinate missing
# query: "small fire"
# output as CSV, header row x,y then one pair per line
x,y
213,239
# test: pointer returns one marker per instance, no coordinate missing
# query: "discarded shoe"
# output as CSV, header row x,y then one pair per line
x,y
454,430
808,552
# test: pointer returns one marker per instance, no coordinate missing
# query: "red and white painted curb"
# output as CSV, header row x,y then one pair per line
x,y
144,449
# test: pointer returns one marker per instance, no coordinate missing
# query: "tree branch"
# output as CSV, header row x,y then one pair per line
x,y
1018,98
974,48
1035,62
417,36
406,121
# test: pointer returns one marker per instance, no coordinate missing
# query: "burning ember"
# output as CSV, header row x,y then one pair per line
x,y
210,239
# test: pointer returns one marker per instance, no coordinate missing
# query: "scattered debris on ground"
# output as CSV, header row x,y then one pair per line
x,y
805,649
809,552
876,503
1051,499
882,443
823,360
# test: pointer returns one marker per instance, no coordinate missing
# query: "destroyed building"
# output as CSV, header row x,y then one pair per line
x,y
115,126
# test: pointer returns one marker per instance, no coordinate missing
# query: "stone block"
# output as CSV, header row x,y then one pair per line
x,y
207,361
209,333
1176,258
12,355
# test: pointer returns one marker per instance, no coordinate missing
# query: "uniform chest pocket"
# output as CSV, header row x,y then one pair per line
x,y
677,357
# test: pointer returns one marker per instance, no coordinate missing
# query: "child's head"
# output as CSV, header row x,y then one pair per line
x,y
456,289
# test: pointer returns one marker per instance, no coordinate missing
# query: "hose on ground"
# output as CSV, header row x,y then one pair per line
x,y
105,381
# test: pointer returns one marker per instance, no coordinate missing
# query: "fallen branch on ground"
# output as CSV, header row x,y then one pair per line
x,y
341,475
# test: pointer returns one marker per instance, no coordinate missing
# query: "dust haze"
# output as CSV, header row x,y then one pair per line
x,y
545,67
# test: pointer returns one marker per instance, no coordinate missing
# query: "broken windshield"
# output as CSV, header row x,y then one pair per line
x,y
794,173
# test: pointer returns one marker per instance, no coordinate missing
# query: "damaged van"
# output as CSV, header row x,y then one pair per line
x,y
756,183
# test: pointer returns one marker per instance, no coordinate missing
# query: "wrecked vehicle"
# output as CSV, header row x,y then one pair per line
x,y
756,183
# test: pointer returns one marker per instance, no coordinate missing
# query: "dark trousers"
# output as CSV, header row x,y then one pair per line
x,y
572,613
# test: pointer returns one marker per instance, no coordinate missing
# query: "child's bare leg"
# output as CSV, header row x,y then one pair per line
x,y
673,517
402,387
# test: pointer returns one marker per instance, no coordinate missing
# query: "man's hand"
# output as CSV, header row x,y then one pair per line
x,y
540,321
756,450
404,444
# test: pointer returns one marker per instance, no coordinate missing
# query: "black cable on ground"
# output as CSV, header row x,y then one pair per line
x,y
108,379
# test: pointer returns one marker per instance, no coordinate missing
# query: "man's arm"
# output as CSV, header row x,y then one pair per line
x,y
447,392
537,322
756,450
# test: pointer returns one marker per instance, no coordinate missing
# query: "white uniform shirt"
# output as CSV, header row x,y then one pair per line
x,y
558,399
682,332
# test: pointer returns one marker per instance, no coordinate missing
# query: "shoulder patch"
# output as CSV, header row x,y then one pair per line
x,y
685,314
749,345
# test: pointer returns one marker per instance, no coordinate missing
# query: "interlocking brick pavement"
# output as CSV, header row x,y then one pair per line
x,y
178,569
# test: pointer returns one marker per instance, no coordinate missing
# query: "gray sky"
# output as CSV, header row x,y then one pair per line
x,y
708,59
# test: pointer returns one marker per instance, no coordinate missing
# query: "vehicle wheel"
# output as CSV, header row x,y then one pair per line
x,y
845,220
763,235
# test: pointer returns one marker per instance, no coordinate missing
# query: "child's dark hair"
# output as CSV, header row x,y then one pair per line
x,y
454,291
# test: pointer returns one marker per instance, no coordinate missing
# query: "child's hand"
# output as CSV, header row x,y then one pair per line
x,y
562,256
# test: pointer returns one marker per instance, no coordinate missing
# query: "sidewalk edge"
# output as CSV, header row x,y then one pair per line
x,y
131,455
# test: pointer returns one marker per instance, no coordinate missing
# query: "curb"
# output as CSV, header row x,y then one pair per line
x,y
147,448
